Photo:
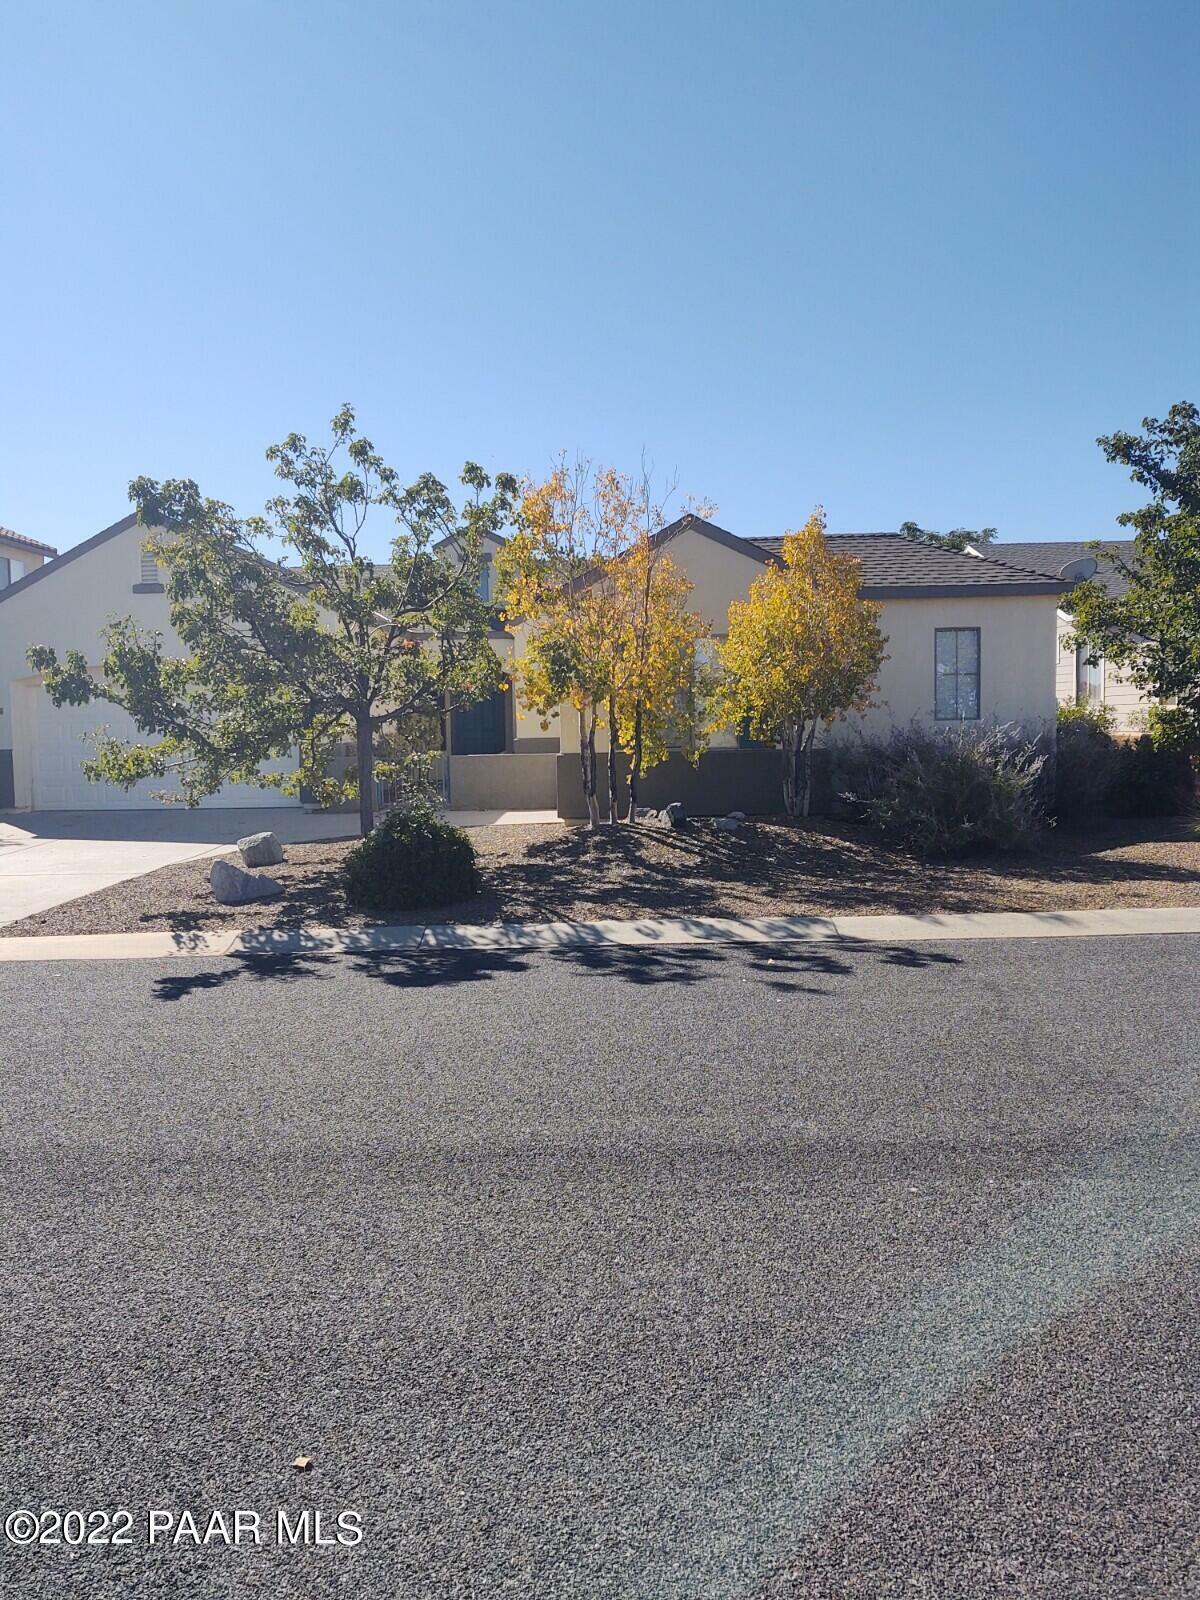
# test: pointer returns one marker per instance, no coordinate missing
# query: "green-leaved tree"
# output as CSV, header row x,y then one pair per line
x,y
956,539
293,638
1153,628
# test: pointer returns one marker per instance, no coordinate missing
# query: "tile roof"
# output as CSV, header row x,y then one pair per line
x,y
896,566
7,536
1051,555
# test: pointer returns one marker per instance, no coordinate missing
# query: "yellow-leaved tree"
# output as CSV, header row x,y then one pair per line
x,y
802,651
564,528
660,679
603,624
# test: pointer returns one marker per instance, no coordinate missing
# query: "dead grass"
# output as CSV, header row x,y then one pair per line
x,y
770,867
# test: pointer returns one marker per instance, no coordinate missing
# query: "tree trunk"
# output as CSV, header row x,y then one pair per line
x,y
789,746
612,765
587,767
365,737
635,763
806,781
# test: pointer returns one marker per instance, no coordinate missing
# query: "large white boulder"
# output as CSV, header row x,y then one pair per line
x,y
233,887
260,850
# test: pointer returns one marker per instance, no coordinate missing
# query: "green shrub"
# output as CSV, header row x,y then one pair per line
x,y
413,859
1174,728
1150,781
1085,762
948,792
1102,719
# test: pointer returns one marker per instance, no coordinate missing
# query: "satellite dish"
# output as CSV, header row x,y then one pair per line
x,y
1079,570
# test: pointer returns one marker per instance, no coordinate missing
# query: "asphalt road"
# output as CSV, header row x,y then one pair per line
x,y
804,1271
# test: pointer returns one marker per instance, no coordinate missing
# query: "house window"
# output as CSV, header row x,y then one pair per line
x,y
485,581
10,570
956,674
1089,678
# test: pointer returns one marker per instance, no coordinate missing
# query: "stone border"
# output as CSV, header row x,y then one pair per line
x,y
639,933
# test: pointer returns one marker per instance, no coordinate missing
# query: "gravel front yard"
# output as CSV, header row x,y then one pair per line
x,y
770,867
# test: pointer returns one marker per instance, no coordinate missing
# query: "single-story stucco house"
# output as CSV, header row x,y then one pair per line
x,y
972,639
1081,678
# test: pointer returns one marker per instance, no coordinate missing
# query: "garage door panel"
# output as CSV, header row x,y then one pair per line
x,y
59,745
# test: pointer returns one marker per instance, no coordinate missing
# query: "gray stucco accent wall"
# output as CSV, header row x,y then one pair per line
x,y
8,793
724,781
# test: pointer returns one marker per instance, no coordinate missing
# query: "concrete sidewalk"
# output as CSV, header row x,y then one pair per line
x,y
643,933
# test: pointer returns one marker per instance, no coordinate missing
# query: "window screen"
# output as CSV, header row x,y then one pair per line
x,y
956,674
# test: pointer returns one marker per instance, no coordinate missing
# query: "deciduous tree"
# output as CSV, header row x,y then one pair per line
x,y
661,679
1153,628
956,539
602,614
303,649
802,651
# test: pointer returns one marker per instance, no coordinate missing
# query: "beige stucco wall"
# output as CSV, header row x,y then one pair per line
x,y
1017,637
66,609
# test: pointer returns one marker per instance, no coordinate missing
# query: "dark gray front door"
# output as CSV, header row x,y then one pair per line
x,y
481,729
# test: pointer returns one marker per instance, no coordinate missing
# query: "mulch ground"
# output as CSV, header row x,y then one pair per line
x,y
770,867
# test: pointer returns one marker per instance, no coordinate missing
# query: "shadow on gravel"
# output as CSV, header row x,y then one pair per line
x,y
781,968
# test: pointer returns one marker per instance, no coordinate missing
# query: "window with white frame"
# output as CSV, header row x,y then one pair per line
x,y
956,674
1089,677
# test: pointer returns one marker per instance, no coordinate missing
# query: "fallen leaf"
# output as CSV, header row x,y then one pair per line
x,y
303,1463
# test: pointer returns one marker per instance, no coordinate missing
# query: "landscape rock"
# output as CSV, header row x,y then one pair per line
x,y
260,850
738,816
674,815
233,887
645,814
727,824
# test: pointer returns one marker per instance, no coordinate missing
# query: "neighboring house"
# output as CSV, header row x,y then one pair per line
x,y
971,640
19,555
1079,679
65,602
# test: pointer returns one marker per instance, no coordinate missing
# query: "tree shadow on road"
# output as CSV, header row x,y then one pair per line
x,y
258,969
780,968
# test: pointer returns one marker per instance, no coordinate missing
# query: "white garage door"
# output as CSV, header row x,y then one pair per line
x,y
59,746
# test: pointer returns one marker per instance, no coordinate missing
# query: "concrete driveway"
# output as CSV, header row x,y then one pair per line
x,y
48,857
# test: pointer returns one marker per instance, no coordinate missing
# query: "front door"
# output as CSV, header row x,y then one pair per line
x,y
481,730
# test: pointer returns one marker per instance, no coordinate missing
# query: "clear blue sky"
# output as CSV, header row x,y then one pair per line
x,y
904,258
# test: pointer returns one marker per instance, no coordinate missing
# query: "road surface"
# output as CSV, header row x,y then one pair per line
x,y
701,1272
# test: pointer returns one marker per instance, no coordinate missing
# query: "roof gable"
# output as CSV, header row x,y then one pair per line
x,y
39,574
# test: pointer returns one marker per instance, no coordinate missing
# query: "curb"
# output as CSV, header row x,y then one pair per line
x,y
640,933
